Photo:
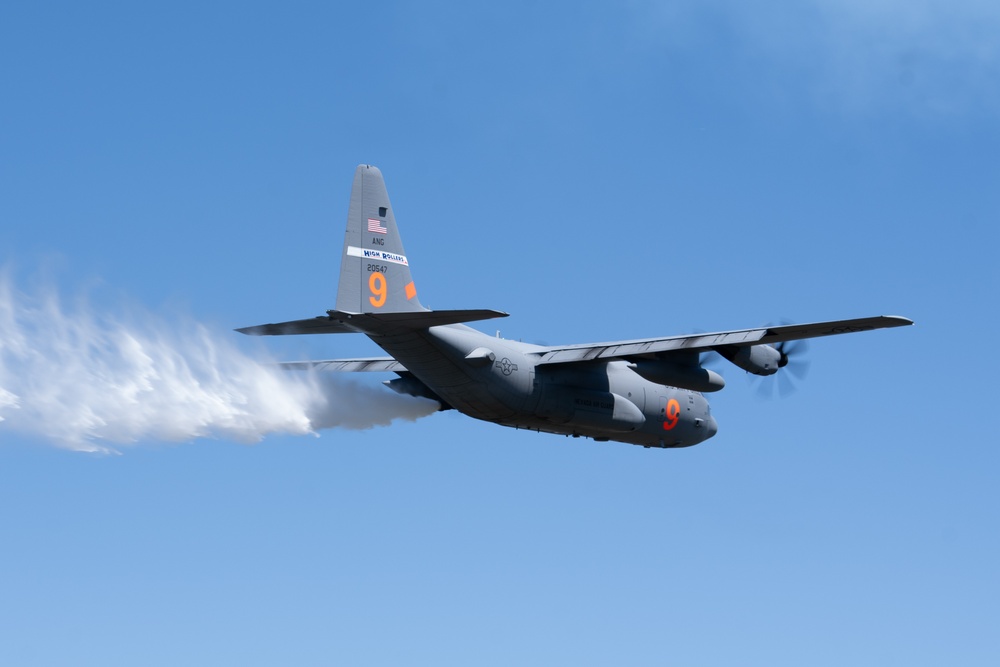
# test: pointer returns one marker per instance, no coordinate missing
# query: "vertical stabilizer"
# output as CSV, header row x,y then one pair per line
x,y
374,271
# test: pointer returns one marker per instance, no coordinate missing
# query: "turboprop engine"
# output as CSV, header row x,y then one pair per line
x,y
766,360
756,359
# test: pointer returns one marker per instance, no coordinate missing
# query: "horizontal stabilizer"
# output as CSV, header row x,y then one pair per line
x,y
313,325
336,321
370,364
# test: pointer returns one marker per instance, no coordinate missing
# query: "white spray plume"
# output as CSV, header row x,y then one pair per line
x,y
89,381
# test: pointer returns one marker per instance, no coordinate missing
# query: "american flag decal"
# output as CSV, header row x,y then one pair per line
x,y
375,226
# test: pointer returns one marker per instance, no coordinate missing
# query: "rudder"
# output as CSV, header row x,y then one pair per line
x,y
374,271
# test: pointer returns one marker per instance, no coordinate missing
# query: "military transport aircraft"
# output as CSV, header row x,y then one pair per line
x,y
644,392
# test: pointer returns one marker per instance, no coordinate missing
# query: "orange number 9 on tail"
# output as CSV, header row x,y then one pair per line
x,y
376,283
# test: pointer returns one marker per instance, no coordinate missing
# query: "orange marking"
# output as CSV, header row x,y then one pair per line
x,y
376,283
411,290
673,414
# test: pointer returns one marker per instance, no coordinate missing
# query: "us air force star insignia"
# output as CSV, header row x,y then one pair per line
x,y
506,367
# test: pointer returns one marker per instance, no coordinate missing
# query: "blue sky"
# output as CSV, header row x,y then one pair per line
x,y
169,172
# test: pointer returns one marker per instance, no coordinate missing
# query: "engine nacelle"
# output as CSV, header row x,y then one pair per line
x,y
685,376
756,359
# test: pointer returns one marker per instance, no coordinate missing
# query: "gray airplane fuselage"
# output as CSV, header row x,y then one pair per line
x,y
501,381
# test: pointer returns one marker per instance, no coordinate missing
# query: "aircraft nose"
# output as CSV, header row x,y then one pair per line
x,y
711,427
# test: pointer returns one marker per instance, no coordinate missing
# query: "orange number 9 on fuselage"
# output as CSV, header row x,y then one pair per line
x,y
673,414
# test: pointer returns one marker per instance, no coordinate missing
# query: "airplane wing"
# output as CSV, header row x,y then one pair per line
x,y
367,364
710,341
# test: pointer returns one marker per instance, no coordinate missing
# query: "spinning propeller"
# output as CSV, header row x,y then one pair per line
x,y
791,365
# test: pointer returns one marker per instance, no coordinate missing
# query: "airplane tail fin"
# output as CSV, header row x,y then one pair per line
x,y
374,271
376,294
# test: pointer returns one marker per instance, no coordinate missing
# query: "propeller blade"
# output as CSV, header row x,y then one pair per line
x,y
799,368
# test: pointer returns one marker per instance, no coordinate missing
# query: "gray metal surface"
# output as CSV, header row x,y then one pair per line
x,y
375,273
371,323
710,341
372,364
